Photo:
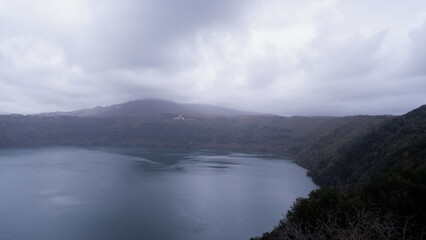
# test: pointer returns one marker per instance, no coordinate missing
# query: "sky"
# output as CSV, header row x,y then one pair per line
x,y
305,57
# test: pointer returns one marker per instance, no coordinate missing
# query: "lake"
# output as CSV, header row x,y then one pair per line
x,y
133,193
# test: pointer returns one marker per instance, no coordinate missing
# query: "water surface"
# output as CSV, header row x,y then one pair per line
x,y
111,193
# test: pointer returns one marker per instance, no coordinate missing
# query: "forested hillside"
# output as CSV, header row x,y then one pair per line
x,y
373,187
299,136
371,169
398,141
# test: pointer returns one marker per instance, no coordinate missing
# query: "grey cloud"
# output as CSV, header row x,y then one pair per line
x,y
340,60
346,57
416,61
145,34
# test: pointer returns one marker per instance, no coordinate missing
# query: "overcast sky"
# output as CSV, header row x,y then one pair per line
x,y
319,57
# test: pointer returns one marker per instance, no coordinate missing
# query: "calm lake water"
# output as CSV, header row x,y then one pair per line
x,y
126,193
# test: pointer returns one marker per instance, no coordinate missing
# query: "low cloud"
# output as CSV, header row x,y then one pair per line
x,y
305,58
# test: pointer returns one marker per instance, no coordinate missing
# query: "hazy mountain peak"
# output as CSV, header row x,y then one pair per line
x,y
144,107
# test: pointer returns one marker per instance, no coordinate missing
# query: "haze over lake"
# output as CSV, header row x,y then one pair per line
x,y
143,193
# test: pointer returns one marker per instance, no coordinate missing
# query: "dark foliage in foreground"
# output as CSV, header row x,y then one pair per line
x,y
330,215
374,188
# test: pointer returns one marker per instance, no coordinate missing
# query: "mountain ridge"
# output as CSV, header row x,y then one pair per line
x,y
144,107
339,152
372,187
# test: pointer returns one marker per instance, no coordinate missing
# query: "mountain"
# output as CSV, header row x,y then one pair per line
x,y
152,122
289,135
147,107
371,169
395,141
372,187
218,111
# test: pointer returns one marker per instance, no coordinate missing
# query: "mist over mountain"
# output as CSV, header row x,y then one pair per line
x,y
337,86
374,164
147,107
154,122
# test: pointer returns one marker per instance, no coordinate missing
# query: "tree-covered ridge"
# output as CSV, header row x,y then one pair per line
x,y
375,164
374,187
272,133
400,140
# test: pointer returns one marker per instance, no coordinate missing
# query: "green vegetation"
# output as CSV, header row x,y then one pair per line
x,y
374,187
330,215
372,169
270,133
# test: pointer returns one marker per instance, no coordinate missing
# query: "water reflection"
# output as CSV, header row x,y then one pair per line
x,y
143,193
